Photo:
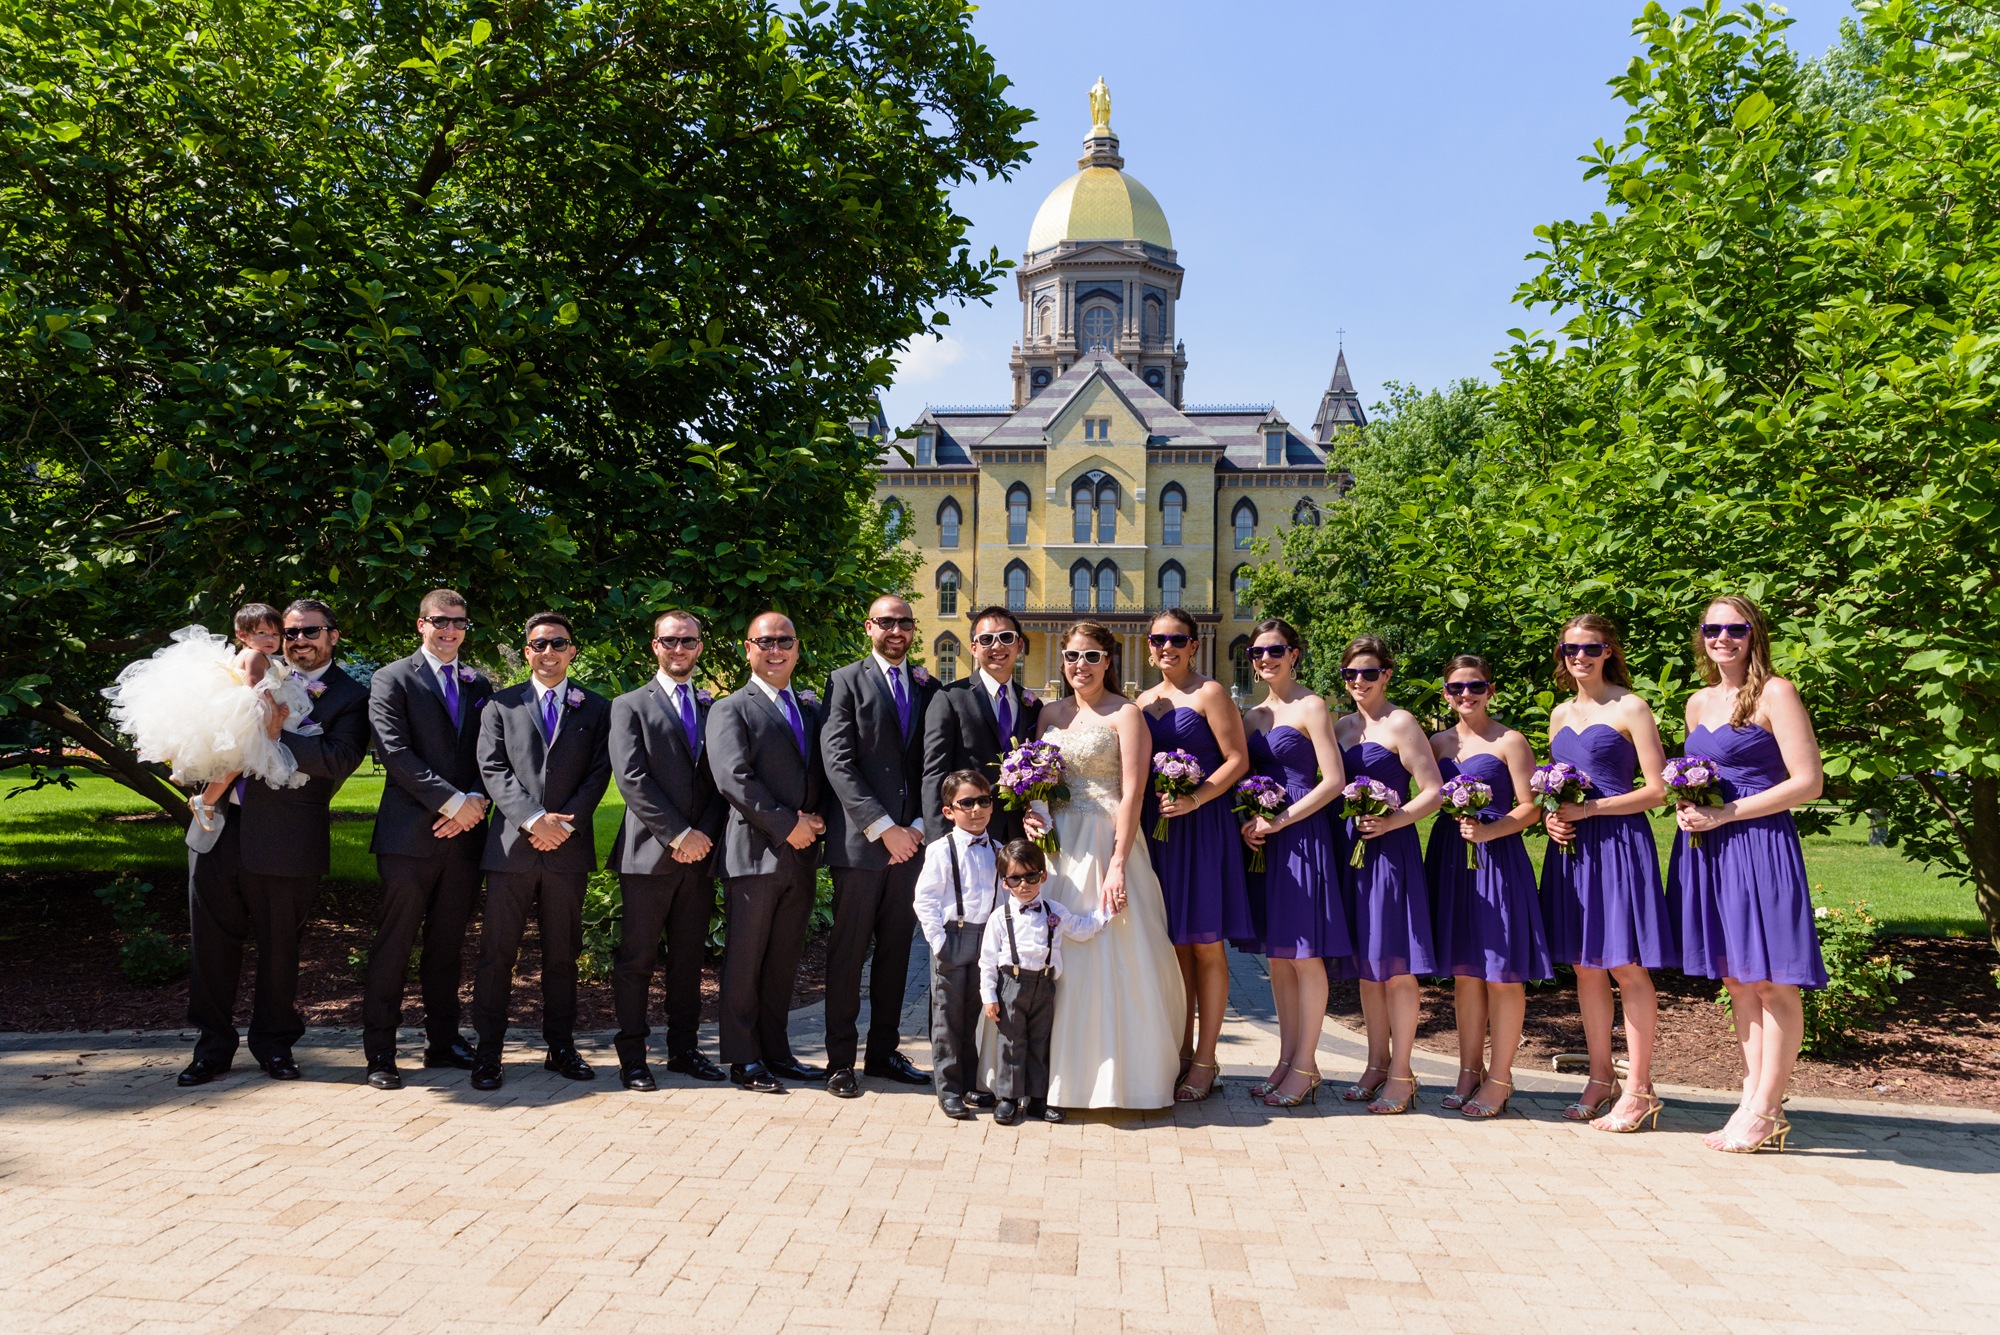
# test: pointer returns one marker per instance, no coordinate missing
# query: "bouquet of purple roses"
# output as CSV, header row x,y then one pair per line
x,y
1175,774
1691,779
1368,797
1556,784
1259,795
1033,772
1464,798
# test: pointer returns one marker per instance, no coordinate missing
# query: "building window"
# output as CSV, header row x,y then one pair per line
x,y
1239,589
1042,313
1305,512
1274,448
1239,664
1245,523
1080,528
1098,322
1037,382
1156,380
947,658
1152,319
926,450
894,520
1107,587
947,518
1170,586
1107,511
1079,588
947,586
1017,513
1172,505
1017,587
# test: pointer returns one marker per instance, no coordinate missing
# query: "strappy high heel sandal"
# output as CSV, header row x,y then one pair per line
x,y
1187,1093
1780,1131
1362,1092
1625,1126
1480,1112
1383,1108
1263,1087
1310,1094
1456,1100
1585,1112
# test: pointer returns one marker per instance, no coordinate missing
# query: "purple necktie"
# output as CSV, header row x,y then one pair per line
x,y
687,719
549,717
451,691
902,699
798,724
1006,714
242,786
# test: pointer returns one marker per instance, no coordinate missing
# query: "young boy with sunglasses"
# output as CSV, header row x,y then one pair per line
x,y
957,890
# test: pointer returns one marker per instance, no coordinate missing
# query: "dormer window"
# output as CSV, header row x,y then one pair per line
x,y
1274,448
926,450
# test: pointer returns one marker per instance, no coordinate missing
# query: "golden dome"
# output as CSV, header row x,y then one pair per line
x,y
1100,204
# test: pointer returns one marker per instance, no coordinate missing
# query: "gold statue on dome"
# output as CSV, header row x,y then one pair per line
x,y
1100,105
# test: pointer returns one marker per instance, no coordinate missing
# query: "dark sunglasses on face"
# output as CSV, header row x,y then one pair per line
x,y
1090,656
895,623
1256,651
672,642
1595,650
972,803
304,632
1735,630
559,643
1467,687
770,642
993,637
448,623
1362,674
1162,641
1016,882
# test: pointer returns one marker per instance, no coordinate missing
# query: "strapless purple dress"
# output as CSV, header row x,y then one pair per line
x,y
1200,862
1742,900
1486,922
1389,908
1298,903
1602,902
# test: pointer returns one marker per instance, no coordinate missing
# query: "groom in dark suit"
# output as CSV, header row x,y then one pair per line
x,y
259,880
664,855
764,748
543,756
874,838
973,722
429,834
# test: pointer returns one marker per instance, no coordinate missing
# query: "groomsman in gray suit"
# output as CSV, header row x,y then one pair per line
x,y
664,852
429,833
874,744
544,758
764,748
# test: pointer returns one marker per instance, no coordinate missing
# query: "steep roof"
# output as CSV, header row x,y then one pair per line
x,y
1340,406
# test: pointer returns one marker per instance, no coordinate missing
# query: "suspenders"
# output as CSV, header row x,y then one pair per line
x,y
957,881
1048,923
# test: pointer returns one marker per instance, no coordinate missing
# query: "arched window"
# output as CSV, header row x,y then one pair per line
x,y
1098,322
1244,521
1107,587
947,589
1173,504
947,658
1239,589
1107,511
895,519
947,517
1017,587
1171,582
1305,512
1017,513
1082,501
1079,587
1153,319
1043,313
1239,664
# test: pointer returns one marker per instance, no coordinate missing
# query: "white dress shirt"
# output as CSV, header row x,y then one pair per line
x,y
439,667
936,904
542,694
889,670
294,726
673,691
1039,947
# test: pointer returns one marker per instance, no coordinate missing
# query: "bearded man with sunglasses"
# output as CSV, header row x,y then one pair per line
x,y
974,722
261,877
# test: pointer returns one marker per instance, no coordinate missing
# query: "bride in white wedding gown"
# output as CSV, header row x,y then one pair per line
x,y
1119,1003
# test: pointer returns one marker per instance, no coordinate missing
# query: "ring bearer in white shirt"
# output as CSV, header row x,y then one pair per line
x,y
957,891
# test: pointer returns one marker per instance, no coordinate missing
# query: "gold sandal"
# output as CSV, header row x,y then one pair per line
x,y
1382,1107
1625,1126
1358,1092
1780,1131
1586,1112
1263,1087
1455,1100
1310,1094
1480,1112
1188,1093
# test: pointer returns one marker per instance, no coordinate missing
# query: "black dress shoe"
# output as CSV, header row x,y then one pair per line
x,y
896,1067
1005,1111
382,1073
486,1075
696,1065
1040,1108
979,1098
459,1056
755,1077
842,1084
637,1078
568,1062
200,1071
954,1108
796,1070
281,1068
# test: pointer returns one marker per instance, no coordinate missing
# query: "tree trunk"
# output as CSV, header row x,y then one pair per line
x,y
1983,852
123,765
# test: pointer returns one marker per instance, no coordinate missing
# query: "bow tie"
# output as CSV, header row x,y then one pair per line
x,y
979,841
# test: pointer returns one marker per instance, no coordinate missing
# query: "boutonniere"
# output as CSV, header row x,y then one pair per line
x,y
574,698
920,675
1028,694
467,675
702,697
808,697
315,689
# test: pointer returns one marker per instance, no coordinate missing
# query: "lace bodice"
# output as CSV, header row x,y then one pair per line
x,y
1093,767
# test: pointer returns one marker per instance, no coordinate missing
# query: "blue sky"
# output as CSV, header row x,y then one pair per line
x,y
1327,165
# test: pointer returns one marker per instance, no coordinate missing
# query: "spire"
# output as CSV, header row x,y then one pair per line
x,y
1340,407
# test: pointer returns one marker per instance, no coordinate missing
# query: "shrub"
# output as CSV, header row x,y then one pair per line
x,y
145,954
1859,975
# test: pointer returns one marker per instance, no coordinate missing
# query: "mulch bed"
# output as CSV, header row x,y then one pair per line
x,y
1940,1043
59,964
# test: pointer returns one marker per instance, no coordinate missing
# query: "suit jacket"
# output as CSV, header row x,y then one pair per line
x,y
961,732
428,759
523,774
767,783
288,831
873,770
668,789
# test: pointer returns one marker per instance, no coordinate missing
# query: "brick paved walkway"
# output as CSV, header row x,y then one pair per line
x,y
126,1204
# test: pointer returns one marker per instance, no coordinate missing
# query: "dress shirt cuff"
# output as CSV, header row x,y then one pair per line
x,y
529,823
880,828
675,842
453,806
918,826
988,995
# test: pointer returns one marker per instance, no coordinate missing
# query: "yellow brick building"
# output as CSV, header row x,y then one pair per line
x,y
1097,492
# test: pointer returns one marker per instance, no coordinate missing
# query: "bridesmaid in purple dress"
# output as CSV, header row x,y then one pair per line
x,y
1601,899
1741,898
1304,915
1487,921
1200,862
1390,903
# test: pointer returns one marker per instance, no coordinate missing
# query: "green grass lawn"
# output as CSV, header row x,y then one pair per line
x,y
56,831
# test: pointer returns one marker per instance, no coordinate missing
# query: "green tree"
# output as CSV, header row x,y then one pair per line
x,y
562,304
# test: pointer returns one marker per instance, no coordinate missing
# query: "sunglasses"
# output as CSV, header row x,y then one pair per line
x,y
1016,882
448,623
1090,656
1256,651
1735,630
993,637
559,643
770,642
1362,674
1177,641
895,623
305,632
672,642
1587,650
971,803
1467,687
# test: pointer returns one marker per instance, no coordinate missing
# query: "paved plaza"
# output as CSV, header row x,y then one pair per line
x,y
128,1204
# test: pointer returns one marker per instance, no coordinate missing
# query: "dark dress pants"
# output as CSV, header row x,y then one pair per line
x,y
556,900
1026,1024
878,907
677,904
768,919
227,906
434,895
955,1010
